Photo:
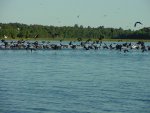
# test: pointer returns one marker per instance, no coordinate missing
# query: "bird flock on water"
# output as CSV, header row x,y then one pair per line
x,y
74,45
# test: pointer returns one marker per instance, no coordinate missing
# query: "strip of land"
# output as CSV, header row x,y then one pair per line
x,y
75,39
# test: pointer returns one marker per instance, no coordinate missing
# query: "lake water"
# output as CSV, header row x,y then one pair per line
x,y
74,81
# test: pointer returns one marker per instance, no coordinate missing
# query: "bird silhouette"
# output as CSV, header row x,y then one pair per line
x,y
137,23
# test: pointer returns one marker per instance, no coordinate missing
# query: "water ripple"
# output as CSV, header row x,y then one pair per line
x,y
74,82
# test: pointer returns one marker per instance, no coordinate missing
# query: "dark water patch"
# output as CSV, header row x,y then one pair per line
x,y
73,111
143,100
40,109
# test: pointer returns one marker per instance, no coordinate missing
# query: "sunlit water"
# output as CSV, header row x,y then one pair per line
x,y
74,81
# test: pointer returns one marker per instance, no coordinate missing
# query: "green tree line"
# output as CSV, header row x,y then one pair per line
x,y
14,30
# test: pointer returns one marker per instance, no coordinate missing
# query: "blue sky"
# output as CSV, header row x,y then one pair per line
x,y
94,13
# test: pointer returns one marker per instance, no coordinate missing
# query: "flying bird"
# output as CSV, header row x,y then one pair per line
x,y
36,36
137,23
78,16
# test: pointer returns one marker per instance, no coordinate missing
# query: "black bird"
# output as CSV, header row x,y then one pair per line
x,y
137,23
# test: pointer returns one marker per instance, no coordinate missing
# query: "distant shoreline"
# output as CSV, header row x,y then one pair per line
x,y
75,39
71,33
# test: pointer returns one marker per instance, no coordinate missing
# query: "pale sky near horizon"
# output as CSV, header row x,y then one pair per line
x,y
94,13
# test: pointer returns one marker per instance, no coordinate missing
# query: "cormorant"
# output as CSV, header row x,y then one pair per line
x,y
137,23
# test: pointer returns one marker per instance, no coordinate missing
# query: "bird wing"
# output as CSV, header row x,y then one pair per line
x,y
137,23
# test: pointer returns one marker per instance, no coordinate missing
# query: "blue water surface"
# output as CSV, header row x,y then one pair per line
x,y
74,81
